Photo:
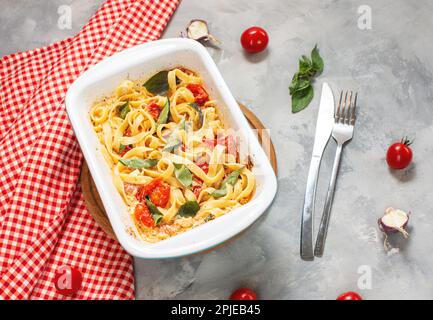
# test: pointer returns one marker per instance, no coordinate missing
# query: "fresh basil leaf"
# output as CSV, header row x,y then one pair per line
x,y
124,109
298,83
317,60
230,179
172,144
156,214
163,117
197,108
158,83
188,209
305,65
301,99
183,174
122,148
137,163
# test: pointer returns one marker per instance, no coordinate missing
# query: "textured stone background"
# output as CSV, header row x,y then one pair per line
x,y
391,68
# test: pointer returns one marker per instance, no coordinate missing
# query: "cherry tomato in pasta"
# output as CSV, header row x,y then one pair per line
x,y
196,190
160,195
154,110
125,150
200,94
147,189
142,215
204,166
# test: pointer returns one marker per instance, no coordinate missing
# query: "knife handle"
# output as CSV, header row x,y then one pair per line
x,y
308,210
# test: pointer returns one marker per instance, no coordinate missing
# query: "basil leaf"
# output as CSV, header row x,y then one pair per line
x,y
137,163
231,179
163,117
317,60
172,144
183,174
124,109
188,209
305,65
298,83
301,99
197,108
156,214
158,83
122,148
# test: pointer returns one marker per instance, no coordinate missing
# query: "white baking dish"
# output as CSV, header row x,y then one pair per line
x,y
138,63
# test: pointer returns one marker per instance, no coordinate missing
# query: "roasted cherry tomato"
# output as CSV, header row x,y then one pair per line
x,y
200,94
196,190
243,294
254,39
67,280
204,166
399,155
350,295
160,195
154,110
127,132
147,189
142,214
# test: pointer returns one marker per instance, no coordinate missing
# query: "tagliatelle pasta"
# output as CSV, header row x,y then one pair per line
x,y
173,162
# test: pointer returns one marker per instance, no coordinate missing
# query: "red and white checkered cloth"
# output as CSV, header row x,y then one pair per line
x,y
44,223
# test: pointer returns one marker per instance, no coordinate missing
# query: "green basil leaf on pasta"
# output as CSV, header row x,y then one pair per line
x,y
158,83
172,144
183,174
156,214
122,148
197,108
137,163
230,179
163,117
124,109
188,209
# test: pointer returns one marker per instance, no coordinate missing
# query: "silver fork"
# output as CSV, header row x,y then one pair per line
x,y
344,121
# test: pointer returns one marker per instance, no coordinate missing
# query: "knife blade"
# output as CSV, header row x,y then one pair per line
x,y
325,122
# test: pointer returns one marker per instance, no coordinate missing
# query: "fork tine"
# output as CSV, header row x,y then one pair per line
x,y
343,110
347,114
353,116
337,112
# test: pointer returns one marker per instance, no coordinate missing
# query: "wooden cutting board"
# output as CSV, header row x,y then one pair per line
x,y
94,203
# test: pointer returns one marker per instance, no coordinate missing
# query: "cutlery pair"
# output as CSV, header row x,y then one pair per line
x,y
339,123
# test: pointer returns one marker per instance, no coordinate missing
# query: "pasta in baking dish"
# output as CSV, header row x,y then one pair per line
x,y
173,162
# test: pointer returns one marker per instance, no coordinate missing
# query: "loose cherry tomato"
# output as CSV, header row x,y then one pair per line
x,y
154,110
399,155
142,214
200,94
254,39
67,280
160,195
243,294
350,295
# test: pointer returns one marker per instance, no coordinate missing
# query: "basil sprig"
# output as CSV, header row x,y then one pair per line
x,y
231,179
197,108
188,209
137,163
163,117
124,109
158,83
154,211
300,88
183,174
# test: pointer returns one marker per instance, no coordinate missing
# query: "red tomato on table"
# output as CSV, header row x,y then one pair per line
x,y
67,280
254,39
399,155
142,214
243,294
199,93
350,295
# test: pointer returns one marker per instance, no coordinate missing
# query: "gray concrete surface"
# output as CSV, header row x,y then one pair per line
x,y
389,65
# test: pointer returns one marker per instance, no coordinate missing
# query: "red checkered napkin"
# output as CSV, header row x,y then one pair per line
x,y
44,223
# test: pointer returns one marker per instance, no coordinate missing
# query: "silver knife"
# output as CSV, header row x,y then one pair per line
x,y
325,122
